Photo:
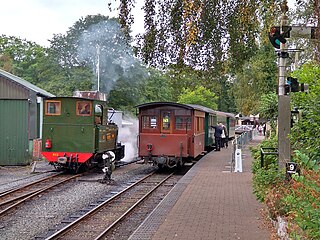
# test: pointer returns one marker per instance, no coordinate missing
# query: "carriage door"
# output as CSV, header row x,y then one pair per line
x,y
165,121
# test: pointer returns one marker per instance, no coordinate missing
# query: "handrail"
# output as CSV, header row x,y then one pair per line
x,y
263,152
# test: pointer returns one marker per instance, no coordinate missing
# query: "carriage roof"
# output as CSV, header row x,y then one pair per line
x,y
187,106
180,105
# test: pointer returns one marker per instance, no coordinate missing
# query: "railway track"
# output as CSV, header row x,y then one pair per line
x,y
13,198
105,216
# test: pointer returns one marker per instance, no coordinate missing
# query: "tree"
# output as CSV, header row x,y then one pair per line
x,y
307,13
268,108
156,87
199,96
304,134
21,57
258,77
153,86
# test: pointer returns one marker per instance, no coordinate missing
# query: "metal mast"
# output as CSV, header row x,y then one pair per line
x,y
284,111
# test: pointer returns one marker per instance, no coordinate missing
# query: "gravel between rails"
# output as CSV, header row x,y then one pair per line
x,y
12,176
37,216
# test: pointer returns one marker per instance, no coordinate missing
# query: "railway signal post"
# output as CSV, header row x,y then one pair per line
x,y
284,111
277,37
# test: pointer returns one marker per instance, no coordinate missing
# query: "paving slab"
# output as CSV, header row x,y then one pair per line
x,y
209,202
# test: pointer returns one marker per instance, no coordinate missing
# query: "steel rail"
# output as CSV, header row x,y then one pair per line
x,y
69,227
102,235
3,212
10,191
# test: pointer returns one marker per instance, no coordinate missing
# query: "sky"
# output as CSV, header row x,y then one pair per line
x,y
39,20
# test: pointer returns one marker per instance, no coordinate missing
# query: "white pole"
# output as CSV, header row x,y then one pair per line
x,y
98,66
238,162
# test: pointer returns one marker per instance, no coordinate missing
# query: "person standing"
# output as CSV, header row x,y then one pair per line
x,y
217,136
224,136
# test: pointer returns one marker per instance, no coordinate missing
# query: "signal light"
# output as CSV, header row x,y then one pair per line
x,y
275,37
293,85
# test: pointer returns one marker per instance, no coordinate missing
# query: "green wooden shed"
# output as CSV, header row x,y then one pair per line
x,y
20,119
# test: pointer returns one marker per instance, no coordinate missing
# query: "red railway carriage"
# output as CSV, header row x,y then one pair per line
x,y
170,133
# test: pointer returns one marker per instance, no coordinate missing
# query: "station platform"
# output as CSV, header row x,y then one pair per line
x,y
209,202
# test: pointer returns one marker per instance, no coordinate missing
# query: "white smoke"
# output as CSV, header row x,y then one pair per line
x,y
128,135
103,46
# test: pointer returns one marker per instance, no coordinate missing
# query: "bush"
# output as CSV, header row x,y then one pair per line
x,y
303,200
265,178
296,199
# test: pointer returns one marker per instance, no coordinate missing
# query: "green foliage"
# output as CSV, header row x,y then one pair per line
x,y
304,134
298,200
199,96
185,77
128,92
266,177
258,77
201,34
156,87
21,57
268,108
243,27
303,200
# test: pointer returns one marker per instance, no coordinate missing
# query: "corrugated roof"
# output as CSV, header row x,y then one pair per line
x,y
25,83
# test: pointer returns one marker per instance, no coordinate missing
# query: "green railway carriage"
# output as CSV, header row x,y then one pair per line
x,y
77,133
212,118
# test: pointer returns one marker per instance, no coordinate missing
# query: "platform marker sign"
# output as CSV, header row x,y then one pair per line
x,y
291,167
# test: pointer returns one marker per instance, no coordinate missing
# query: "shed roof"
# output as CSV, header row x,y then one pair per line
x,y
25,83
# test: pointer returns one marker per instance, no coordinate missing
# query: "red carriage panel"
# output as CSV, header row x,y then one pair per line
x,y
198,145
164,144
170,134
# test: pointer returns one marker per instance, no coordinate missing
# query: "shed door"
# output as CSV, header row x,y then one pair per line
x,y
14,147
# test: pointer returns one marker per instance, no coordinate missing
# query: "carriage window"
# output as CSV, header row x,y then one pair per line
x,y
200,124
98,114
149,122
84,108
183,123
53,108
165,120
